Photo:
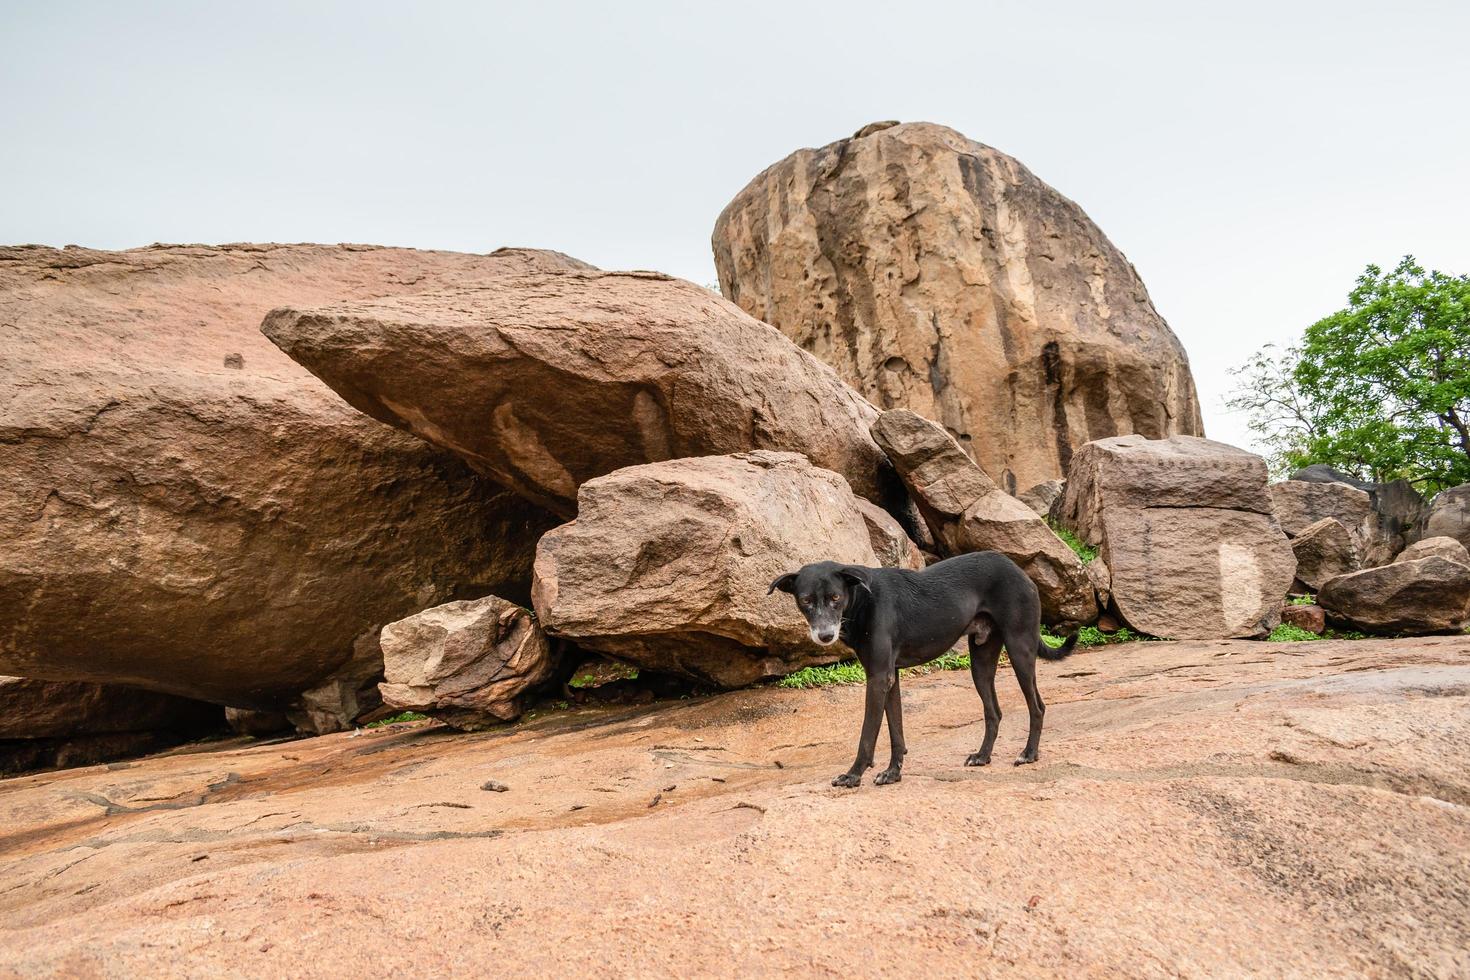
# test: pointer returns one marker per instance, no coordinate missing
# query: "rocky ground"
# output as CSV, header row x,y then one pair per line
x,y
1200,808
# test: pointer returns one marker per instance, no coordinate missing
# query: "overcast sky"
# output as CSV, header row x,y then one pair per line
x,y
1249,160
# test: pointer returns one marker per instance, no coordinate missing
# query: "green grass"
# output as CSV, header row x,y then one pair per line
x,y
1083,551
1091,636
1302,600
1287,633
611,673
394,719
847,672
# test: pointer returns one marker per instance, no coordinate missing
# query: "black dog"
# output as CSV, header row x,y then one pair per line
x,y
893,618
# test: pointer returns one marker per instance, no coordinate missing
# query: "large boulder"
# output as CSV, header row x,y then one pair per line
x,y
939,275
71,723
1443,547
966,512
891,544
1299,504
470,663
1186,528
1425,595
186,509
547,381
1324,550
1448,515
667,565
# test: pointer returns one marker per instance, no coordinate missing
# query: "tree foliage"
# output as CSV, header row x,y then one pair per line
x,y
1380,389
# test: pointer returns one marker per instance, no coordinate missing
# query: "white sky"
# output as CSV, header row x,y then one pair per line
x,y
1249,159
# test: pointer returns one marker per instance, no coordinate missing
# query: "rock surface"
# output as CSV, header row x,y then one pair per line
x,y
61,723
667,564
1448,515
1307,798
547,381
186,509
939,275
891,545
1311,617
469,663
1323,550
1425,595
1185,526
1443,547
966,512
1381,516
1043,497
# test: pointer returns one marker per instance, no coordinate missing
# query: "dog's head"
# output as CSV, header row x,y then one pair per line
x,y
823,592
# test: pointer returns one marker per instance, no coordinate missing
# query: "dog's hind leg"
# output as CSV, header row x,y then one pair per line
x,y
984,658
893,712
1023,662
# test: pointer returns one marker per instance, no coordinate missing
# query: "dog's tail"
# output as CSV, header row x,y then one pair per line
x,y
1049,652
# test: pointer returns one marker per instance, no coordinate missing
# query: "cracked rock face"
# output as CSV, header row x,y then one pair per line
x,y
1324,550
186,509
546,381
967,512
1187,531
938,274
468,663
667,565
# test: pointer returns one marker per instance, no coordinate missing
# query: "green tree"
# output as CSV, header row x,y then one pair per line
x,y
1380,389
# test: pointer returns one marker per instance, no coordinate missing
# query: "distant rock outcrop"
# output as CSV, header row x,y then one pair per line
x,y
939,275
186,509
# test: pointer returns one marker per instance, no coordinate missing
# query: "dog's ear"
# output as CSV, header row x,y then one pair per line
x,y
786,583
858,576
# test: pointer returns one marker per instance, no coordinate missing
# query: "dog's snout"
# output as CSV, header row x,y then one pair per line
x,y
824,636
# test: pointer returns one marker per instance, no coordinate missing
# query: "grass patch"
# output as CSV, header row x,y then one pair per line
x,y
1086,553
1302,600
1287,633
1091,636
847,672
395,719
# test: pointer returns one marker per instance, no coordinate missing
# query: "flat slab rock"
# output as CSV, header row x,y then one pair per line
x,y
1186,529
668,564
546,381
1255,780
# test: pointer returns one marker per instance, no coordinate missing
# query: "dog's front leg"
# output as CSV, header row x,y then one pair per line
x,y
879,682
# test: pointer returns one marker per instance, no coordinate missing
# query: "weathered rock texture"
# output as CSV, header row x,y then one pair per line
x,y
1186,528
186,509
940,275
1448,515
469,663
1376,535
1425,595
1218,809
1443,547
1324,550
966,511
667,564
1043,497
70,723
1311,617
891,544
546,381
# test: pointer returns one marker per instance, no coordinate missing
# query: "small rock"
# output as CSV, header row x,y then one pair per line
x,y
1312,618
494,786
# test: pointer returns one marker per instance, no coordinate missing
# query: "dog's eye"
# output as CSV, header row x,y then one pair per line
x,y
836,598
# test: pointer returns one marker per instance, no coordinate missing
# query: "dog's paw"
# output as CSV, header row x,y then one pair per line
x,y
1026,758
978,759
887,776
847,780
